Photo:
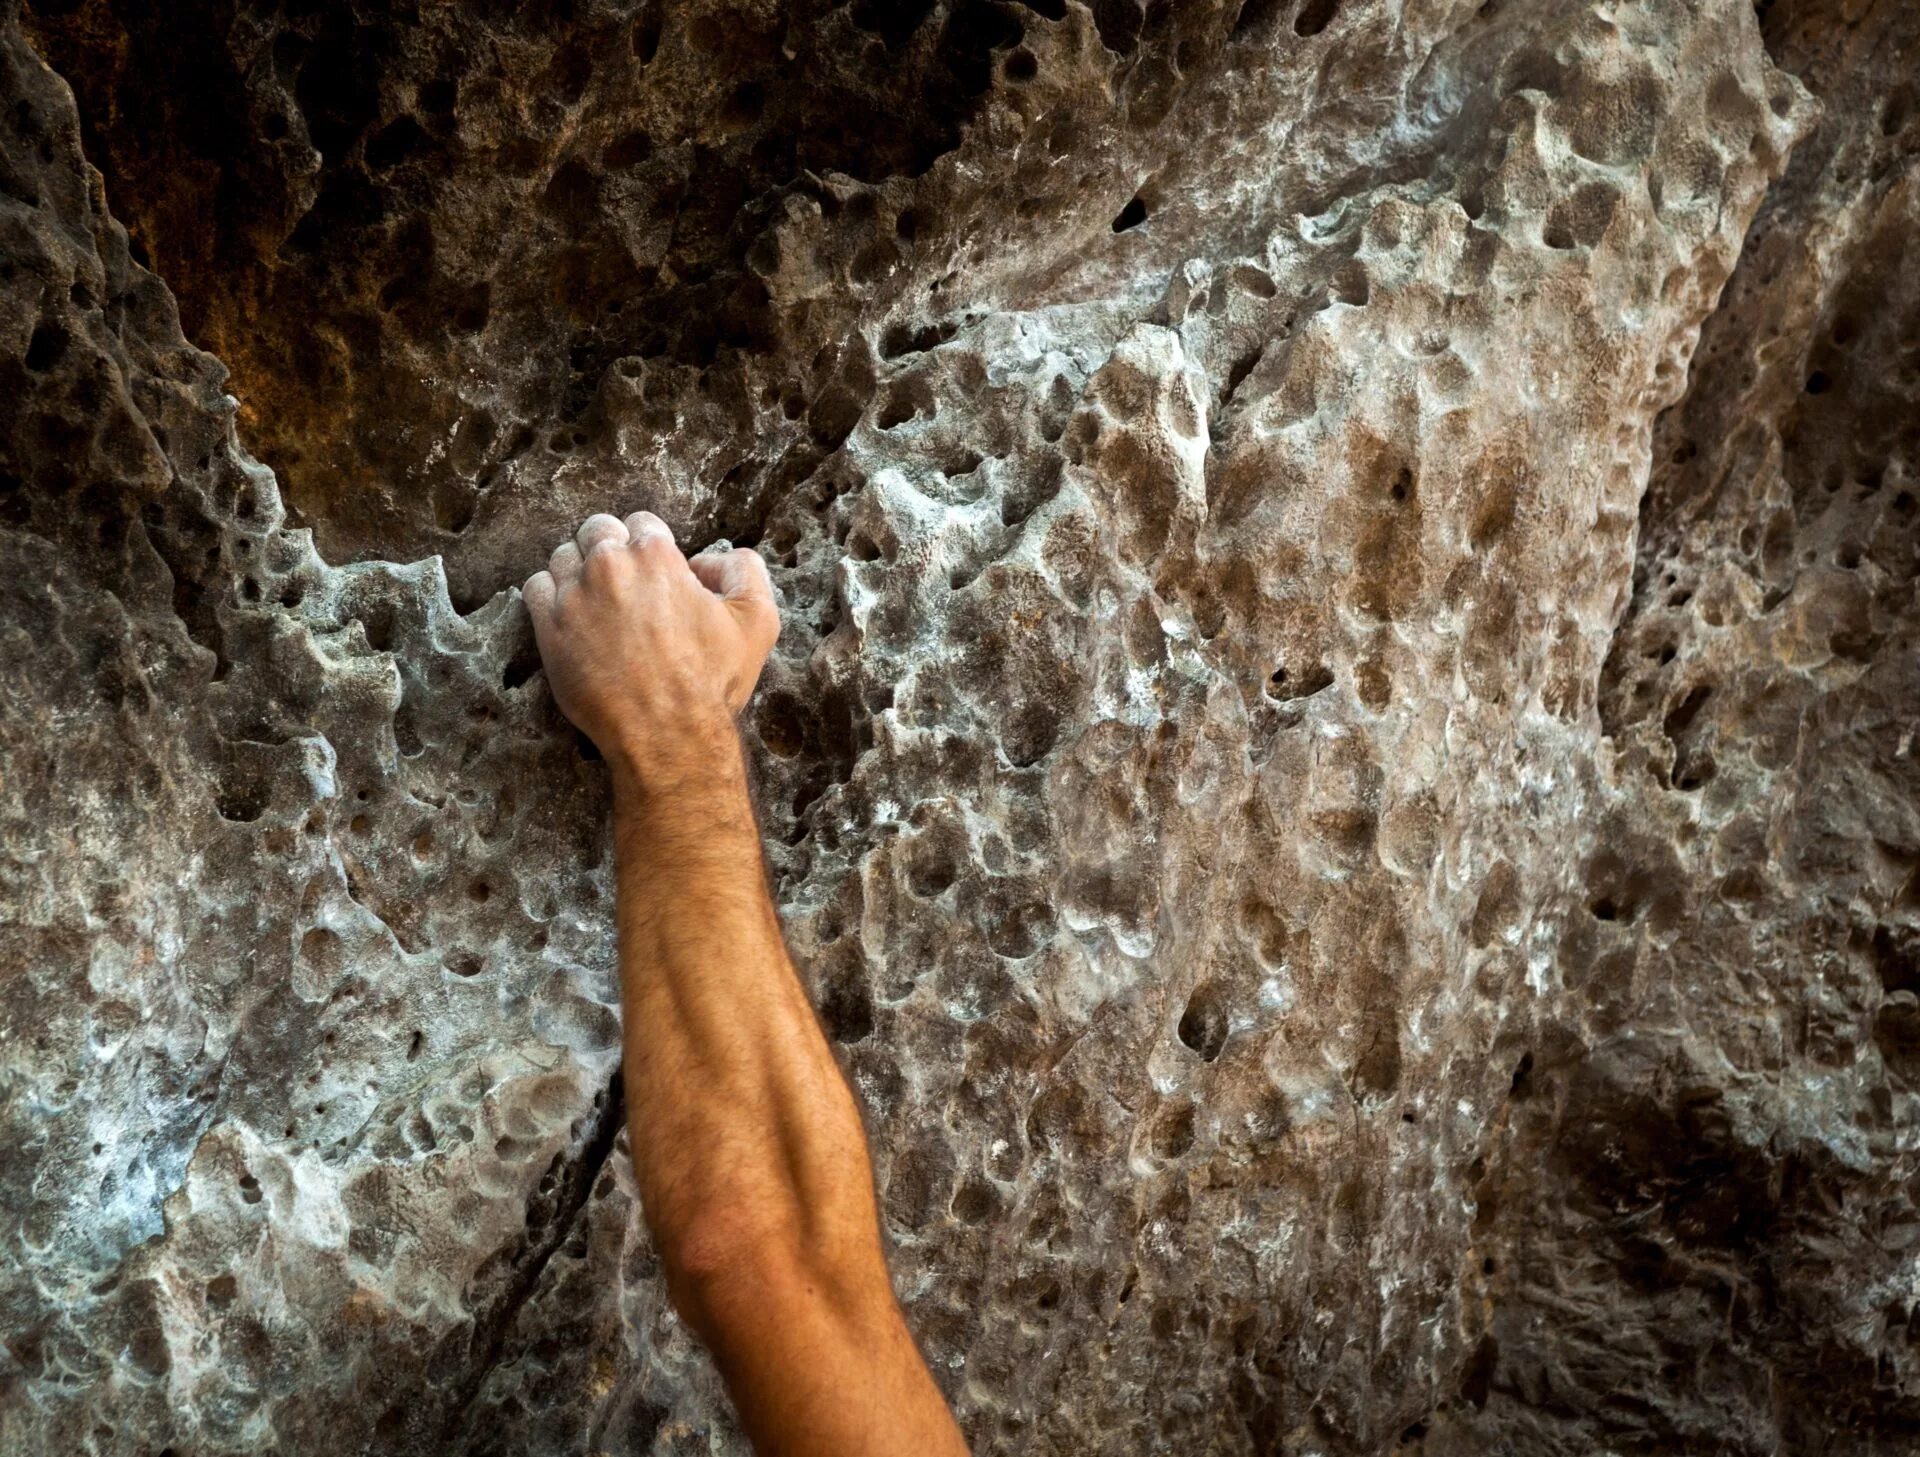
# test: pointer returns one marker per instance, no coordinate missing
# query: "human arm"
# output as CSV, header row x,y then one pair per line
x,y
747,1143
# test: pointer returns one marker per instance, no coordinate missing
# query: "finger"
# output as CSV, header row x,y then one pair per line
x,y
739,577
538,594
736,574
564,564
644,529
600,529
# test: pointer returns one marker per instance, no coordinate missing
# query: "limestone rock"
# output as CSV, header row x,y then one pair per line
x,y
1340,758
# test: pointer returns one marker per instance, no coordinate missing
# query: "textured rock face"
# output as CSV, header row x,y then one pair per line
x,y
1346,790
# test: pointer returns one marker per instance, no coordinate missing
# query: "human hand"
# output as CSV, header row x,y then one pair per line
x,y
650,654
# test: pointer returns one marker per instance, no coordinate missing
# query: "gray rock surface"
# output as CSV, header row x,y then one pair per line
x,y
1340,760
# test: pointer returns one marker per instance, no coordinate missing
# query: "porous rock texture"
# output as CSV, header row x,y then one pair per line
x,y
1340,762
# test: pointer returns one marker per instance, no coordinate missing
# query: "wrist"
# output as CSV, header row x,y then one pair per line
x,y
699,757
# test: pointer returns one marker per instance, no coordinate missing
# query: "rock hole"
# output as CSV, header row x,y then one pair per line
x,y
242,801
1020,930
972,34
406,737
394,143
1315,16
1606,908
1255,15
1351,286
522,663
743,107
1896,960
846,1006
963,464
1286,687
898,408
1173,1132
1522,1085
646,38
1132,215
1818,383
1239,370
1119,23
1476,1383
975,1201
895,23
1030,734
1203,1025
782,726
1693,772
932,868
376,624
1681,716
903,339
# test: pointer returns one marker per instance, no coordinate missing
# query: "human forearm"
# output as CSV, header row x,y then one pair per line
x,y
748,1145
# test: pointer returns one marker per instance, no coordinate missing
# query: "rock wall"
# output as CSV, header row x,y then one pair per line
x,y
1340,760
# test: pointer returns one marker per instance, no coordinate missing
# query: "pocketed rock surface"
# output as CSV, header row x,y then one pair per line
x,y
1340,762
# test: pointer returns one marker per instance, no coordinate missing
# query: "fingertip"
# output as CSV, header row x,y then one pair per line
x,y
705,565
644,528
598,538
757,565
600,527
739,572
538,592
565,561
769,625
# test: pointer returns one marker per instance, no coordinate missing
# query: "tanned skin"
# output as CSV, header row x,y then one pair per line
x,y
747,1144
